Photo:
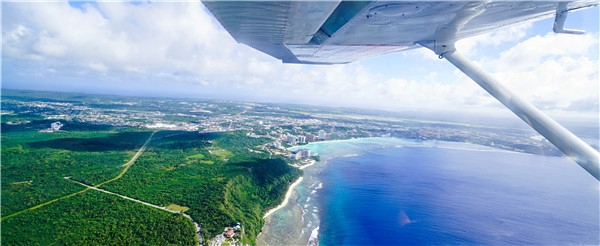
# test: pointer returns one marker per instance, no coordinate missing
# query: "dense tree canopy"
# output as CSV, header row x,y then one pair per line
x,y
218,176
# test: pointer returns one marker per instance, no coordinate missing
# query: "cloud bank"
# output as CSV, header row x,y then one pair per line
x,y
179,49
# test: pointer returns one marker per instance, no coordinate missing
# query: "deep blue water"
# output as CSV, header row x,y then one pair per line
x,y
427,195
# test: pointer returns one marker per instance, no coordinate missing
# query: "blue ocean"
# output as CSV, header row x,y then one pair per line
x,y
396,192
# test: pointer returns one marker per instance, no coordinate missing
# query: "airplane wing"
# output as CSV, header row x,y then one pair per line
x,y
329,32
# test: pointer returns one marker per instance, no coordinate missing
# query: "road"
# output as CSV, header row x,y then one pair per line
x,y
126,165
96,187
129,163
122,196
196,225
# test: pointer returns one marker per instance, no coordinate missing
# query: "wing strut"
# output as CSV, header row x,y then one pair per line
x,y
567,142
560,18
444,46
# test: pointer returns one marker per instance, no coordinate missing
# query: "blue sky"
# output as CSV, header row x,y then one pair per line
x,y
178,49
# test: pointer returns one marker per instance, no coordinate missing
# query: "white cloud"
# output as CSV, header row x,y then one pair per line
x,y
553,71
99,67
531,52
119,35
470,46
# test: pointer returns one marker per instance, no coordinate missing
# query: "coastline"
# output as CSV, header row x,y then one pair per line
x,y
285,200
310,163
331,141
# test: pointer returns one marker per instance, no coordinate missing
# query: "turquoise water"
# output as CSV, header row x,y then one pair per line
x,y
395,191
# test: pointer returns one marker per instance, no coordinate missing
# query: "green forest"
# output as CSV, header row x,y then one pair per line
x,y
215,175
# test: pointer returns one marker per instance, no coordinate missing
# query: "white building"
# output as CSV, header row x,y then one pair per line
x,y
301,153
305,153
322,135
291,139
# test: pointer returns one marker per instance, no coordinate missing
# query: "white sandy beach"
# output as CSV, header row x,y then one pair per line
x,y
285,200
310,163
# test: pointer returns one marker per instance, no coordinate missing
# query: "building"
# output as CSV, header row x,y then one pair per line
x,y
238,226
228,233
301,139
277,144
301,154
310,138
291,139
322,135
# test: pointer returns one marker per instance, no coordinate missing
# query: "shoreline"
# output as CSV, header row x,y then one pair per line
x,y
311,162
308,164
418,139
285,200
333,141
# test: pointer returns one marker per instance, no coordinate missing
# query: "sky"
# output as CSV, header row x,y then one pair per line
x,y
178,49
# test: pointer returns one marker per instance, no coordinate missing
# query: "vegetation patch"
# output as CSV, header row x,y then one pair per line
x,y
44,167
96,218
195,157
175,207
122,141
14,186
221,153
198,158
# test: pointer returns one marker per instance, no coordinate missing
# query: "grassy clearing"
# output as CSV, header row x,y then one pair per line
x,y
198,158
221,153
195,157
175,207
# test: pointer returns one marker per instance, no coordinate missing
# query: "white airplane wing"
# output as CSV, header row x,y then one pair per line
x,y
328,32
345,31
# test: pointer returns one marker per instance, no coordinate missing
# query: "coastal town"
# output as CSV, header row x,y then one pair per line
x,y
286,125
